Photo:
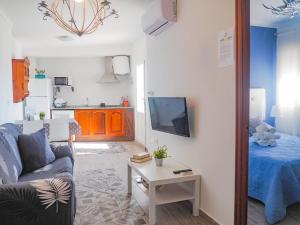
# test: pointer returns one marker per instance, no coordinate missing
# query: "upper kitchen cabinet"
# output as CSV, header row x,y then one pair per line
x,y
20,77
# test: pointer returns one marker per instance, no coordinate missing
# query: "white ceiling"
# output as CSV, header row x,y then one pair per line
x,y
261,16
32,32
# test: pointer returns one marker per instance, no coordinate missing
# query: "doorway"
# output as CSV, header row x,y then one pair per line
x,y
242,109
279,89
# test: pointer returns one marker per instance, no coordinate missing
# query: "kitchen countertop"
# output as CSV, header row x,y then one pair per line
x,y
91,107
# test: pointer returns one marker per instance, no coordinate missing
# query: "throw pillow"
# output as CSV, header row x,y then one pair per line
x,y
35,151
253,123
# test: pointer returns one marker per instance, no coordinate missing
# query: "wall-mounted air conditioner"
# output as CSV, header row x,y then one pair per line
x,y
160,15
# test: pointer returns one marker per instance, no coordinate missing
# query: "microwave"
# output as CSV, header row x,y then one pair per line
x,y
66,81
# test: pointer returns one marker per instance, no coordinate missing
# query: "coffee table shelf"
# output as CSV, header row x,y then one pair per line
x,y
168,193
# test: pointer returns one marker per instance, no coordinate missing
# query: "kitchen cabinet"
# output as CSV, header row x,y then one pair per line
x,y
98,122
83,117
116,123
105,124
20,77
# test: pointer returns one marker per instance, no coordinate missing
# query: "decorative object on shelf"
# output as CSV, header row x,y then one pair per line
x,y
289,8
78,16
40,74
160,154
42,115
125,101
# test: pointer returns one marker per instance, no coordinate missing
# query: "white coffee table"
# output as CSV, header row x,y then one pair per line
x,y
172,190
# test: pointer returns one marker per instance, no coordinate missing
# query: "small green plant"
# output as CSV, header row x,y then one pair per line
x,y
42,115
40,71
161,152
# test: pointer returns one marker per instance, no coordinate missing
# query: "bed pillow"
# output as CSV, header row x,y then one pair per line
x,y
35,151
253,123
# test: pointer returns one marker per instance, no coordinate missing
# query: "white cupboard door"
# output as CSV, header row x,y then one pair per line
x,y
63,114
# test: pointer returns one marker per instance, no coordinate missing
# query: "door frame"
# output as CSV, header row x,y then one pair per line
x,y
242,19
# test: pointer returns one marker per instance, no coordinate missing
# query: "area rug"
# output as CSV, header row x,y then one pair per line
x,y
99,148
102,197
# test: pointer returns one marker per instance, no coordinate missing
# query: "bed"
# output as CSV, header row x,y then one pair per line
x,y
274,175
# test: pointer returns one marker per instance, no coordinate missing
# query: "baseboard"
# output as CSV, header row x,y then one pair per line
x,y
210,220
140,145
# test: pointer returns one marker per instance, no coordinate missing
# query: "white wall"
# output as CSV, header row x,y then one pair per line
x,y
8,47
85,73
138,57
183,61
80,51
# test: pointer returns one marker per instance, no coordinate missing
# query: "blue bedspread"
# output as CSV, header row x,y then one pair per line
x,y
274,175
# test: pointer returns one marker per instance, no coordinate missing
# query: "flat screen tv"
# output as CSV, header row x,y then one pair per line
x,y
169,114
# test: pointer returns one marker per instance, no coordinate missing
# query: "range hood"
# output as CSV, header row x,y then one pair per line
x,y
108,77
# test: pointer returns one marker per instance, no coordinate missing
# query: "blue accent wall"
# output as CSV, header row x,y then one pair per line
x,y
263,64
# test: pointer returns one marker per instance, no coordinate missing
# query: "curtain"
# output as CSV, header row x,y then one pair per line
x,y
288,82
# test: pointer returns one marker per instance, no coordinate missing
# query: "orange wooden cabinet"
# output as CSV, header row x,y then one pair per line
x,y
83,117
98,122
105,124
20,77
115,123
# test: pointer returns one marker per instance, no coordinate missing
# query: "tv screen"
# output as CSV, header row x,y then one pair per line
x,y
169,115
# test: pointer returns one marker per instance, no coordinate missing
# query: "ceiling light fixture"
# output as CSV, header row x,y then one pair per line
x,y
79,19
289,8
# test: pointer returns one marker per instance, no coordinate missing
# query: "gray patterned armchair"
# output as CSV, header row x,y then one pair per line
x,y
43,197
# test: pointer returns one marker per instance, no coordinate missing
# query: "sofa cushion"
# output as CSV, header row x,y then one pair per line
x,y
8,165
52,170
35,151
62,151
12,129
11,144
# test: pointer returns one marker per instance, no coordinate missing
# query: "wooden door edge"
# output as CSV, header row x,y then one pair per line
x,y
242,110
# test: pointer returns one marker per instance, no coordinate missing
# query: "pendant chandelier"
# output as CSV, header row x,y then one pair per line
x,y
289,8
78,16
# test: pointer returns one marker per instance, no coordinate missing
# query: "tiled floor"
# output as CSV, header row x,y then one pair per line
x,y
100,173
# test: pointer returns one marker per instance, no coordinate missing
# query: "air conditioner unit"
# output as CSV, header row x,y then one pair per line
x,y
160,15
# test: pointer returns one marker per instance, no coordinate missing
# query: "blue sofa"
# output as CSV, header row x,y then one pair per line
x,y
42,197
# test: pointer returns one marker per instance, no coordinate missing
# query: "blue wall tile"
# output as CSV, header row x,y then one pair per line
x,y
263,64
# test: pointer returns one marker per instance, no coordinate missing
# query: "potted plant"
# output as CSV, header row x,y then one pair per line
x,y
160,154
42,115
40,74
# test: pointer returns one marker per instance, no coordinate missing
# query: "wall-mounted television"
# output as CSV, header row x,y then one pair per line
x,y
169,114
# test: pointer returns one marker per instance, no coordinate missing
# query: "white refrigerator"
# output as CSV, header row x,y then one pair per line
x,y
40,98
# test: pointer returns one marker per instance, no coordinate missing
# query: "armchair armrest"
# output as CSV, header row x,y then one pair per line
x,y
25,203
63,151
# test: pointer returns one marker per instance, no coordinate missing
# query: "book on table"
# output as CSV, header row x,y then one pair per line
x,y
142,155
141,160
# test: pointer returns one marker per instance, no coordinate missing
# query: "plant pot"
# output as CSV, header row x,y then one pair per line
x,y
159,162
